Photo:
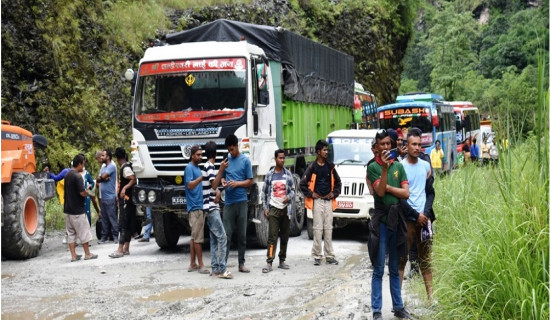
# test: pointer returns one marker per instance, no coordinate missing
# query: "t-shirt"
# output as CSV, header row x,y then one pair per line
x,y
108,188
194,196
278,190
322,181
396,178
74,185
209,195
417,174
239,169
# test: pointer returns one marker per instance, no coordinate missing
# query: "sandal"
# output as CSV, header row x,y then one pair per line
x,y
78,256
244,269
191,269
267,268
283,265
116,255
126,253
204,271
93,256
225,275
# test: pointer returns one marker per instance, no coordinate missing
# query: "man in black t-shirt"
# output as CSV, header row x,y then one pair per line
x,y
75,216
321,185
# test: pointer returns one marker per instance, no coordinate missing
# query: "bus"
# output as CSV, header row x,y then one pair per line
x,y
429,113
368,107
467,122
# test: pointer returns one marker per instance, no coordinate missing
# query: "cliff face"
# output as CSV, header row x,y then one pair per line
x,y
62,70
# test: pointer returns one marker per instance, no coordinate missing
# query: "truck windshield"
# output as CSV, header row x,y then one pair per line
x,y
407,117
192,91
350,150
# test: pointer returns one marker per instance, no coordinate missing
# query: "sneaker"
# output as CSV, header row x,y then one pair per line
x,y
332,261
316,262
377,316
402,314
138,237
101,241
143,240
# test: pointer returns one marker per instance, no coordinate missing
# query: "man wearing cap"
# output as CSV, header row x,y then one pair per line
x,y
127,209
195,202
388,228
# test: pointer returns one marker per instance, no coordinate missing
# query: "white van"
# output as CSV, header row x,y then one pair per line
x,y
350,151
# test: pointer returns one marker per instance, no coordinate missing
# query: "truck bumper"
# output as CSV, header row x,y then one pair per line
x,y
159,195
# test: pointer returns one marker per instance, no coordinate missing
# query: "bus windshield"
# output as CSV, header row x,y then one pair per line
x,y
191,91
407,117
350,150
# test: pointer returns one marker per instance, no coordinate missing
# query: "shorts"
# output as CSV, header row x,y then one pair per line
x,y
77,227
196,221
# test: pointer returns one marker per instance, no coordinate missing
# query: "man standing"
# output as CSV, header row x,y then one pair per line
x,y
418,172
195,202
388,228
211,194
73,206
321,185
127,209
277,194
236,175
107,180
436,157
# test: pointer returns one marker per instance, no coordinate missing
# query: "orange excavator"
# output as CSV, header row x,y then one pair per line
x,y
24,192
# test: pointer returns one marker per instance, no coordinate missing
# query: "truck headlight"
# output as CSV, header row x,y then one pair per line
x,y
141,195
151,196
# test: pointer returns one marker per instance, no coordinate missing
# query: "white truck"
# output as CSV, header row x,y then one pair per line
x,y
205,83
350,151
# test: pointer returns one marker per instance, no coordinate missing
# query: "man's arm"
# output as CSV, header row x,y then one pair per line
x,y
401,192
337,184
194,183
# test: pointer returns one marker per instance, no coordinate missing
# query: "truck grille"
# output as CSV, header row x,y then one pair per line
x,y
354,189
172,157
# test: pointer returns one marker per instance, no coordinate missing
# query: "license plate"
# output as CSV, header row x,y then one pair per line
x,y
345,204
178,200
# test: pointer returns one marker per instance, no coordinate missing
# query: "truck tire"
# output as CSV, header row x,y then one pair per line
x,y
298,218
310,228
262,228
23,217
166,229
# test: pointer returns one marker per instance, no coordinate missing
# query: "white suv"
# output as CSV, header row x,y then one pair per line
x,y
350,151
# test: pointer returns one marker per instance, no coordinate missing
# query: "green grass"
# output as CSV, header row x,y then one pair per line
x,y
491,249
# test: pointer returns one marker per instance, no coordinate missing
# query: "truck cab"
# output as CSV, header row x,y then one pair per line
x,y
350,151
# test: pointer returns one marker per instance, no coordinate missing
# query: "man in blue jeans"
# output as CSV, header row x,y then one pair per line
x,y
388,228
211,195
108,178
236,175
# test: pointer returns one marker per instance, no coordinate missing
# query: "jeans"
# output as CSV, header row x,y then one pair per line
x,y
109,219
388,241
235,217
148,227
218,241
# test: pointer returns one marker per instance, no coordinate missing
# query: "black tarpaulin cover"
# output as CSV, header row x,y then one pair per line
x,y
312,72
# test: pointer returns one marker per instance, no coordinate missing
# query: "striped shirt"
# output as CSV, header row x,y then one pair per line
x,y
208,175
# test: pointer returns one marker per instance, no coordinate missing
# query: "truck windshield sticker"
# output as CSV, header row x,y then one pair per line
x,y
405,112
175,133
154,68
191,116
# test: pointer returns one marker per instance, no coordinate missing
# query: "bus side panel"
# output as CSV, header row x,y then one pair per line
x,y
304,123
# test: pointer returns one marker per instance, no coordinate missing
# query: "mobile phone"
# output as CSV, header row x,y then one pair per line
x,y
393,153
404,143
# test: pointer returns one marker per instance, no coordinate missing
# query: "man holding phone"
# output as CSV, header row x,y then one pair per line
x,y
388,229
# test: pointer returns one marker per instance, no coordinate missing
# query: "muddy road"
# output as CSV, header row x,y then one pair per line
x,y
154,284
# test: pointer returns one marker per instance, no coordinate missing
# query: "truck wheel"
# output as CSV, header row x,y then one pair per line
x,y
297,223
262,228
310,228
23,217
166,229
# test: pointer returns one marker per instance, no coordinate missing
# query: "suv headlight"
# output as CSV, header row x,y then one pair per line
x,y
141,195
152,196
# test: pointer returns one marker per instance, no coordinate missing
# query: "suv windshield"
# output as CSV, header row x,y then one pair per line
x,y
192,91
350,150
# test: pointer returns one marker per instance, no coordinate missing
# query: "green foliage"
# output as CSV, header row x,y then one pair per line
x,y
491,250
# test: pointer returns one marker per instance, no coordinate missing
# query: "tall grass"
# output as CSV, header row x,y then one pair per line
x,y
491,250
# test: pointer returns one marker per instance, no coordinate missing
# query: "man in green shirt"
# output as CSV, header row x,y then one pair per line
x,y
388,228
